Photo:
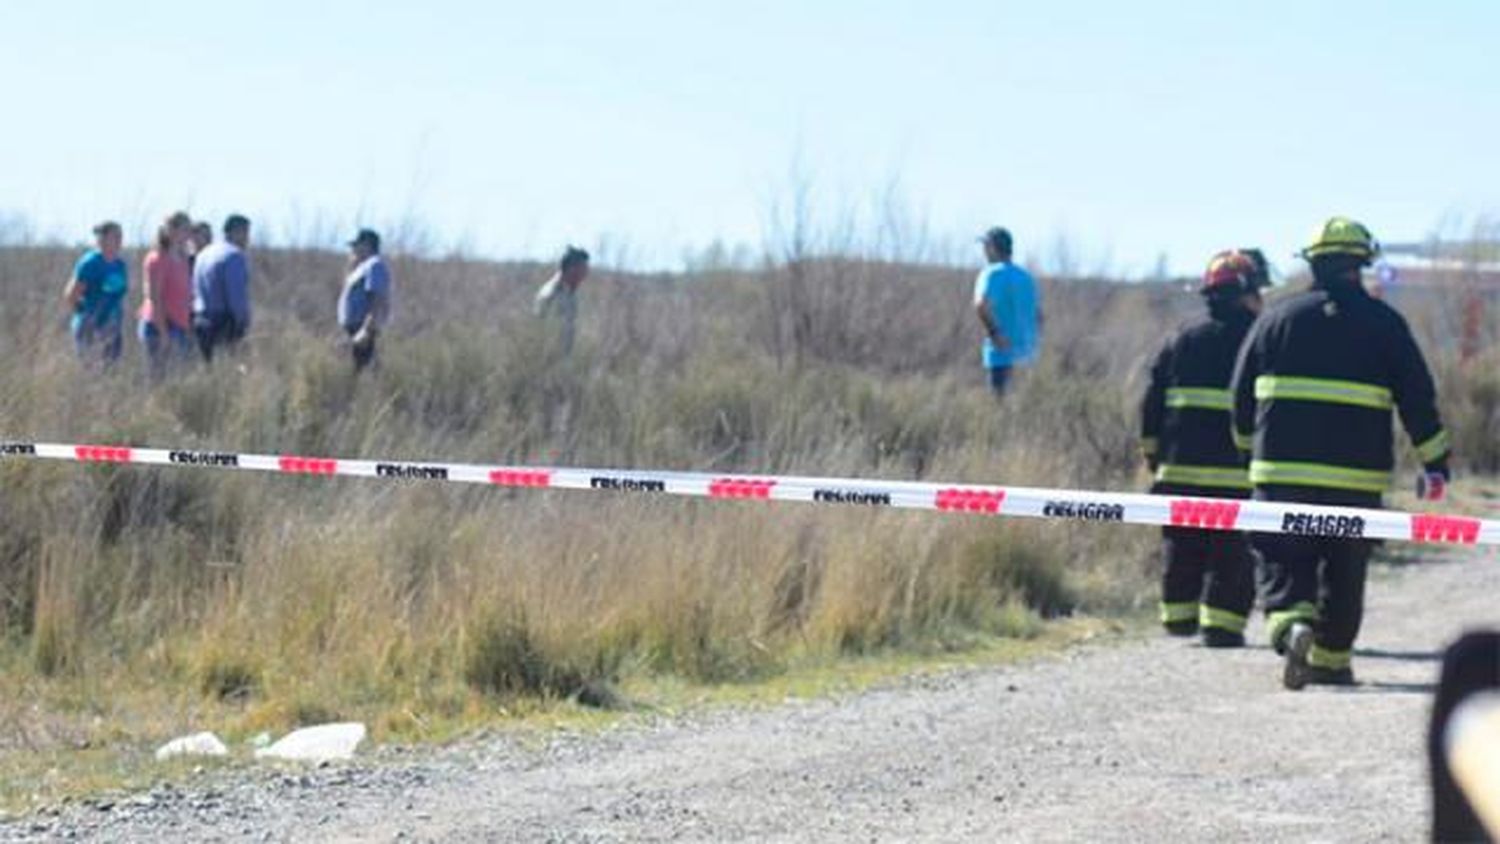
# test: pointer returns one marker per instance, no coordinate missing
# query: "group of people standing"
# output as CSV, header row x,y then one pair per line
x,y
1292,402
195,291
1288,403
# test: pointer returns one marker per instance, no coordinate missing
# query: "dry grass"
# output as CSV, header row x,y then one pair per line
x,y
158,601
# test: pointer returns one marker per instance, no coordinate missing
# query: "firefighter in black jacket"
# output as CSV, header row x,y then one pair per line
x,y
1208,583
1313,388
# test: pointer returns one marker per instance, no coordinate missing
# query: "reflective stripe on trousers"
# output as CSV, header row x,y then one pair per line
x,y
1175,613
1222,619
1227,477
1321,657
1278,622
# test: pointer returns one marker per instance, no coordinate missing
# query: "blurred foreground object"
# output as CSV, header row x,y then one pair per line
x,y
1463,742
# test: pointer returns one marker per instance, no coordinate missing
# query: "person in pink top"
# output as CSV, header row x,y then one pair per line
x,y
166,317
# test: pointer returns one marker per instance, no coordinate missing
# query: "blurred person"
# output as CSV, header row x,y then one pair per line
x,y
1208,582
202,236
1314,388
221,289
1471,668
1006,302
95,294
166,313
558,297
1262,274
365,301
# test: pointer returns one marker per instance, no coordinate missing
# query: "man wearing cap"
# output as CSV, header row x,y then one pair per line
x,y
221,289
1005,299
1314,388
95,292
365,302
559,295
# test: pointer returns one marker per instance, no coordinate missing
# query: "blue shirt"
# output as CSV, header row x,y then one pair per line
x,y
104,283
221,283
370,279
1011,292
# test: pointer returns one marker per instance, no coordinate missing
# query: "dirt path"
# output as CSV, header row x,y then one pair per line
x,y
1122,742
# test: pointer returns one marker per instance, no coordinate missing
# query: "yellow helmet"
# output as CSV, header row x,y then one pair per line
x,y
1343,236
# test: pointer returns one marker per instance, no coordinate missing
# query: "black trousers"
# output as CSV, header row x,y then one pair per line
x,y
363,354
214,330
1209,578
1318,581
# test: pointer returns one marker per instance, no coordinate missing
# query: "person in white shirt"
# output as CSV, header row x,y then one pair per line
x,y
559,296
365,302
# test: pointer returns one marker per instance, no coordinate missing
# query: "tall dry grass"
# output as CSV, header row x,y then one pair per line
x,y
303,599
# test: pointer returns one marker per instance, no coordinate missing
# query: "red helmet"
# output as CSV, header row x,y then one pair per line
x,y
1230,272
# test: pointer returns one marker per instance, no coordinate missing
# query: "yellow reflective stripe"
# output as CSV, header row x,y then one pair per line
x,y
1322,389
1277,621
1204,398
1220,476
1318,474
1431,449
1243,442
1181,611
1222,619
1321,657
1148,445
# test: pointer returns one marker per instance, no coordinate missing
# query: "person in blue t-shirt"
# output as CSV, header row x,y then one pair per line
x,y
95,295
1005,298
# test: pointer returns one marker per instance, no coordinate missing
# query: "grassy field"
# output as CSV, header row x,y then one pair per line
x,y
138,603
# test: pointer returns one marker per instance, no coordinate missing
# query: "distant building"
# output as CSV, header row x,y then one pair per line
x,y
1444,264
1450,286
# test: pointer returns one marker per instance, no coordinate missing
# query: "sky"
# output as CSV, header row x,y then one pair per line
x,y
1107,136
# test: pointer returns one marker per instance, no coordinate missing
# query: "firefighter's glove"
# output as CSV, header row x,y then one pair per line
x,y
1432,484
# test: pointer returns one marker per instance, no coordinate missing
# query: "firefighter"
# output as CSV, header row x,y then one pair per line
x,y
1208,583
1314,387
1262,267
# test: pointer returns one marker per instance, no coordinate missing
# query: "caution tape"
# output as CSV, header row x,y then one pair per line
x,y
1023,502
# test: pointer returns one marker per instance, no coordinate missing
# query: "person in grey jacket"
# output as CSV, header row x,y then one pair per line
x,y
221,288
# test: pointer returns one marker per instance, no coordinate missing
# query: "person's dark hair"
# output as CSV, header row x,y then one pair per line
x,y
164,231
999,238
236,223
107,227
571,257
367,237
202,229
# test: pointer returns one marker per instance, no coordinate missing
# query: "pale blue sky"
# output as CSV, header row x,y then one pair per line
x,y
513,128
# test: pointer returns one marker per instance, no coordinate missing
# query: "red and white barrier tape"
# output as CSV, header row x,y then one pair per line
x,y
1063,504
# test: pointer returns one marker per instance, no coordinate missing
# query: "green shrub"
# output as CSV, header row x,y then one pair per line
x,y
502,658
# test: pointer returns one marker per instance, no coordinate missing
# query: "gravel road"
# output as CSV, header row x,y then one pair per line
x,y
1119,742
